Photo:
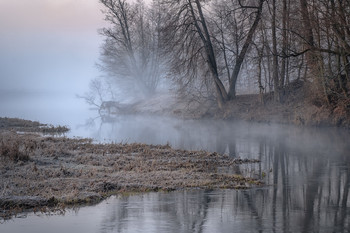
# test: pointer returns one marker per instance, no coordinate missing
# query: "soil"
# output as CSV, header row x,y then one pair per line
x,y
41,173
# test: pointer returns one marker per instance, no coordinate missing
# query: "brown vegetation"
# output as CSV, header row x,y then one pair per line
x,y
12,149
39,172
30,126
298,106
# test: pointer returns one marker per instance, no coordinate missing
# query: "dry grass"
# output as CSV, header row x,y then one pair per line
x,y
21,125
36,169
14,148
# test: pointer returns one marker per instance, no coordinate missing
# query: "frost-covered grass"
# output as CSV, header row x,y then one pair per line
x,y
30,126
35,170
14,149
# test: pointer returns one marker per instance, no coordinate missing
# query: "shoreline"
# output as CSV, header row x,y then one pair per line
x,y
298,107
45,173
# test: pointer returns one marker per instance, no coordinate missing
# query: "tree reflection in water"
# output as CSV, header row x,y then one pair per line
x,y
306,172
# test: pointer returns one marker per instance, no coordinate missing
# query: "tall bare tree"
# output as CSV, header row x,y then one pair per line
x,y
240,58
131,52
189,33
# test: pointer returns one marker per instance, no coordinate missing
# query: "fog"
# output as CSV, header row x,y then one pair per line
x,y
49,46
305,171
48,51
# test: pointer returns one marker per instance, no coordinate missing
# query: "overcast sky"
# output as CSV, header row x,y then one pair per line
x,y
49,44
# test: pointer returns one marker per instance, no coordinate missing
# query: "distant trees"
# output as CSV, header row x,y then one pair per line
x,y
318,29
209,48
327,33
131,51
304,40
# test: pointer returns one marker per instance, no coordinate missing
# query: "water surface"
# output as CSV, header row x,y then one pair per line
x,y
306,171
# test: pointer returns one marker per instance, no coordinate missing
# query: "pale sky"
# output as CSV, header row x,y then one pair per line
x,y
49,44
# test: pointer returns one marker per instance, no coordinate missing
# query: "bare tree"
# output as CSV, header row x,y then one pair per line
x,y
189,33
240,58
275,54
186,26
206,46
131,53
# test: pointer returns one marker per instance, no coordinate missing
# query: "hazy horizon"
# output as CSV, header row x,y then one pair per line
x,y
49,45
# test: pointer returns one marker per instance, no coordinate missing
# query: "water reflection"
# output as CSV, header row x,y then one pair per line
x,y
185,211
306,172
306,193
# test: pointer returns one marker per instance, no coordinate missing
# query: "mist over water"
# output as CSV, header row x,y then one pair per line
x,y
47,107
48,51
306,172
47,54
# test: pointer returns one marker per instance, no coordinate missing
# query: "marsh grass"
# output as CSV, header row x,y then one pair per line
x,y
15,150
77,171
30,126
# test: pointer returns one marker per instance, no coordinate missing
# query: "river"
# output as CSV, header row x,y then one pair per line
x,y
306,171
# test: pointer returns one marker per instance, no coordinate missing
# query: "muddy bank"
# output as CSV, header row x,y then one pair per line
x,y
38,172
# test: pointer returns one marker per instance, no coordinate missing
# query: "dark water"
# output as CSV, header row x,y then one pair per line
x,y
307,172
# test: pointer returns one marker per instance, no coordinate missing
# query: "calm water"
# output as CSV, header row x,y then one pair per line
x,y
307,172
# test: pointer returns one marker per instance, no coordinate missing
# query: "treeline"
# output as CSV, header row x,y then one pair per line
x,y
220,48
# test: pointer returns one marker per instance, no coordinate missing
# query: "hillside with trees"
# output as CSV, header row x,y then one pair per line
x,y
284,60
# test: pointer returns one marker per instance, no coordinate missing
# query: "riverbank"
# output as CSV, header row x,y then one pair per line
x,y
297,107
40,173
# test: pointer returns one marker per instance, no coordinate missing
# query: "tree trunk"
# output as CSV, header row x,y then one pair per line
x,y
275,54
211,59
241,56
313,59
261,88
284,43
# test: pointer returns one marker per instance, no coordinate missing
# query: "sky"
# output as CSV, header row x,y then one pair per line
x,y
49,45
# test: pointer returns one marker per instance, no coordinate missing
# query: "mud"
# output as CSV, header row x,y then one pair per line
x,y
59,171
